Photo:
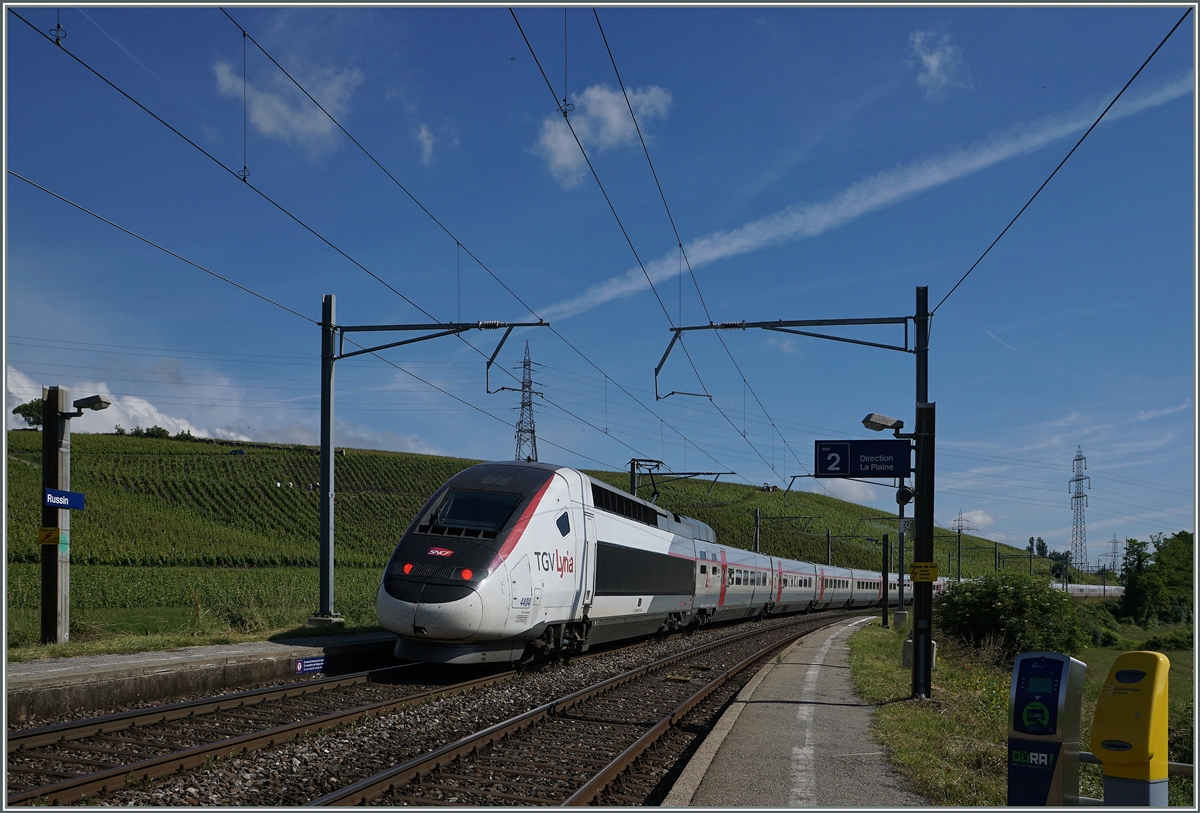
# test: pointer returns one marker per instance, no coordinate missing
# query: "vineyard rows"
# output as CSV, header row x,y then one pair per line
x,y
156,506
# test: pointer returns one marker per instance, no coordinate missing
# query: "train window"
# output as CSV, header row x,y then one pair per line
x,y
485,510
703,569
564,524
729,575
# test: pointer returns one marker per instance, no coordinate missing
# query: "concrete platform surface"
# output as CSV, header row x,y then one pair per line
x,y
796,736
54,686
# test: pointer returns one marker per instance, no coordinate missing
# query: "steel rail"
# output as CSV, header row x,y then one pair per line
x,y
122,720
596,785
71,790
375,786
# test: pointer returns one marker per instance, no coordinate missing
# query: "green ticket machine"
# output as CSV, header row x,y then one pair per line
x,y
1044,700
1129,731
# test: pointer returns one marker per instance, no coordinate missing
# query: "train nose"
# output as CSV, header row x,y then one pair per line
x,y
451,620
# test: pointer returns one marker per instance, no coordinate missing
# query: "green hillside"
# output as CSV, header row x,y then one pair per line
x,y
183,523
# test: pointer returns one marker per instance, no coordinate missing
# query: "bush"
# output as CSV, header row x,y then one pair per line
x,y
1013,613
1180,641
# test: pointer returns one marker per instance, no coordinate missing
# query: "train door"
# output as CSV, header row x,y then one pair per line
x,y
558,558
521,582
585,546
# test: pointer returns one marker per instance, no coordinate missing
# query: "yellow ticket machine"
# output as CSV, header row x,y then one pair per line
x,y
1045,700
1129,731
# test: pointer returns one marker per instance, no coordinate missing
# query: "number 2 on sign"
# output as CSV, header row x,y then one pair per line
x,y
835,461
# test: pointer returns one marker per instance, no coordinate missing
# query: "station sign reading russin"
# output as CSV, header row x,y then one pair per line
x,y
863,458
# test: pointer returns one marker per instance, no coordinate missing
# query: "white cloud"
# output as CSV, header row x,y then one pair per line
x,y
426,139
1146,415
127,411
942,65
848,490
281,111
887,188
602,122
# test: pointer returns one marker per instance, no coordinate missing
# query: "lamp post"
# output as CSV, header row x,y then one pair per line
x,y
55,533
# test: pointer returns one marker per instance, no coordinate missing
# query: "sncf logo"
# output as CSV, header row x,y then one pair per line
x,y
440,552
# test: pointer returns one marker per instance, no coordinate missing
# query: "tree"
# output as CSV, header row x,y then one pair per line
x,y
1145,596
1030,547
1041,547
31,411
1173,559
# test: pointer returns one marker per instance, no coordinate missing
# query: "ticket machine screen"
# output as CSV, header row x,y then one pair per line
x,y
1036,708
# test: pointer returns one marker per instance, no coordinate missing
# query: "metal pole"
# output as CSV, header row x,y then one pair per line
x,y
633,477
828,547
55,535
996,556
328,356
757,527
1031,559
900,573
923,552
887,551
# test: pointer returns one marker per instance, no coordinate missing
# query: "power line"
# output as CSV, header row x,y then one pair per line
x,y
161,248
296,313
679,240
257,191
1064,160
632,248
450,234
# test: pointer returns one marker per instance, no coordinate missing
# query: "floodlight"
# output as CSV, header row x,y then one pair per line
x,y
878,422
94,402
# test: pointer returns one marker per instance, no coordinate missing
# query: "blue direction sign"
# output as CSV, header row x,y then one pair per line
x,y
71,500
863,458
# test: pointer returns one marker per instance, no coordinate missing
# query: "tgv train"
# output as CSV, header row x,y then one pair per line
x,y
509,561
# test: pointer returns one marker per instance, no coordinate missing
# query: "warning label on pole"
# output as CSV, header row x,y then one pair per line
x,y
923,571
48,536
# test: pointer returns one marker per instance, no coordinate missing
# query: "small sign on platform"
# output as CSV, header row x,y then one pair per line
x,y
70,500
923,571
304,665
48,536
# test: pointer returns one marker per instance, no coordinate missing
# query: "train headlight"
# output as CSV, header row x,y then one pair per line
x,y
407,568
466,574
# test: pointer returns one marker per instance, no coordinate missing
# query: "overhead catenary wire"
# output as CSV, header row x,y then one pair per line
x,y
1064,160
679,241
447,231
629,241
262,194
297,313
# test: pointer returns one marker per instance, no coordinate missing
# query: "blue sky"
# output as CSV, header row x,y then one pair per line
x,y
816,163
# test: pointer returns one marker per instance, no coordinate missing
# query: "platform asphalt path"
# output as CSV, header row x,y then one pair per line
x,y
796,736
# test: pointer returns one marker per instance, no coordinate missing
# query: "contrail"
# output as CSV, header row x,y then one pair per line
x,y
871,194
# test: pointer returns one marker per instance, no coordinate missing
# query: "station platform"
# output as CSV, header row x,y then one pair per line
x,y
48,688
796,736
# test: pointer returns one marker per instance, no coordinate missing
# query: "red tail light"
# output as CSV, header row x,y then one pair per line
x,y
407,568
466,574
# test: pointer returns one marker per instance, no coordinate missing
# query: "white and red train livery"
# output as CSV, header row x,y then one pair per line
x,y
511,560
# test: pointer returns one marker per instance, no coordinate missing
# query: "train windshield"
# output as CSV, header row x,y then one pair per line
x,y
484,510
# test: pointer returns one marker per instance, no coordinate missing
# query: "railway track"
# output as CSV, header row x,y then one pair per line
x,y
573,750
111,755
61,763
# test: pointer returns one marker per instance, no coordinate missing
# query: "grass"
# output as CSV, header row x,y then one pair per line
x,y
953,749
125,631
117,609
